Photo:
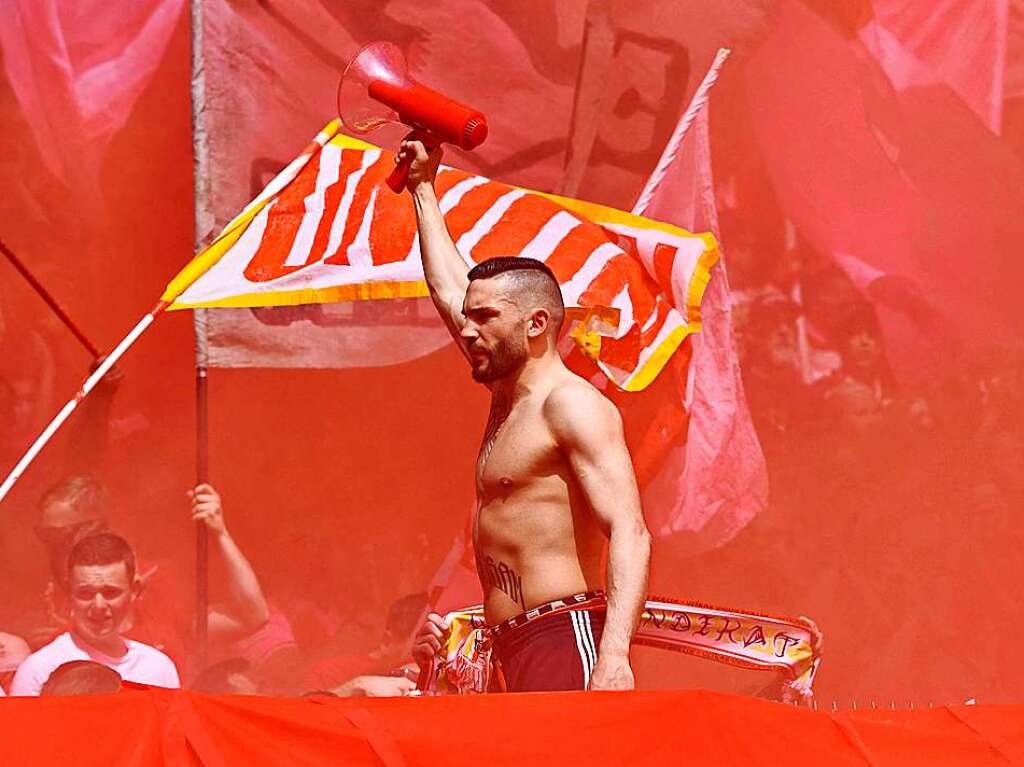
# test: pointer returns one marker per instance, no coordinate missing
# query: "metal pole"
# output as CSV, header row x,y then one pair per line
x,y
599,37
203,223
50,300
202,541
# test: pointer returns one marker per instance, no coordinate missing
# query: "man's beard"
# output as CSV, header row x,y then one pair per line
x,y
506,358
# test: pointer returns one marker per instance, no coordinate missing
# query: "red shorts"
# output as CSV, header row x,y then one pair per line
x,y
553,646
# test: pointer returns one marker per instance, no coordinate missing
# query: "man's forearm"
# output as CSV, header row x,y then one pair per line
x,y
443,267
246,600
629,556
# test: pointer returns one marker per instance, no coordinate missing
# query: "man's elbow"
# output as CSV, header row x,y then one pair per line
x,y
635,533
257,617
644,541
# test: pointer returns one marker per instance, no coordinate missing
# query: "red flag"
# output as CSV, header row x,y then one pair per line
x,y
77,70
712,480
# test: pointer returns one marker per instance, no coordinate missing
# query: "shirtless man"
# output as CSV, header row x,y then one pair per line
x,y
555,482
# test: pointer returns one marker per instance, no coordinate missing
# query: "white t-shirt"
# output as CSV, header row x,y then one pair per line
x,y
142,664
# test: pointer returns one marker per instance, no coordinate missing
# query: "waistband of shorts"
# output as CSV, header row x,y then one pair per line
x,y
588,600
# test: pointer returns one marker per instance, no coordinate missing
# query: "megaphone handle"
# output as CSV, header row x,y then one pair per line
x,y
400,175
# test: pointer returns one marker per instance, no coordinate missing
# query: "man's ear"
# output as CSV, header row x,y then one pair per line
x,y
137,587
538,323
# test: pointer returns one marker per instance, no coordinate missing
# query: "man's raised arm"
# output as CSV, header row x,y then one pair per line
x,y
245,608
443,266
588,430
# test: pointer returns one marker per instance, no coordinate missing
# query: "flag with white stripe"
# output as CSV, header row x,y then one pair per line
x,y
327,230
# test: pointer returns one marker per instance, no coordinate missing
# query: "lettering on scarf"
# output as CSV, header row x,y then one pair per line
x,y
720,630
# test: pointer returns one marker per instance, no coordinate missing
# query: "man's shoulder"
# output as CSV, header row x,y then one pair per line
x,y
34,670
60,647
571,395
149,653
573,405
147,665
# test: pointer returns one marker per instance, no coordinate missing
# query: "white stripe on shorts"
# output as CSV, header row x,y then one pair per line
x,y
586,657
589,637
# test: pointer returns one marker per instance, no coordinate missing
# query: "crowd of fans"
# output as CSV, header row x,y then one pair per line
x,y
893,498
109,619
891,523
106,610
112,611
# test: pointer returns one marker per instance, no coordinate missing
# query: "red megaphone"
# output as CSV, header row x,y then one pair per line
x,y
376,89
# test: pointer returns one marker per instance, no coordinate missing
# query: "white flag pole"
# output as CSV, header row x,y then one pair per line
x,y
700,98
74,402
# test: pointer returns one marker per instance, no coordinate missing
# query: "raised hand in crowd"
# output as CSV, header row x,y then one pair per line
x,y
208,508
243,607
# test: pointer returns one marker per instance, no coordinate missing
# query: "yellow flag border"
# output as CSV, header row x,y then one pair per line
x,y
599,214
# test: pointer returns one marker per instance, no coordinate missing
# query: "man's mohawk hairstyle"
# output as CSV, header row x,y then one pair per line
x,y
492,267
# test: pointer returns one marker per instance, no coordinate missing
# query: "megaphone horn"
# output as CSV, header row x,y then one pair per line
x,y
376,89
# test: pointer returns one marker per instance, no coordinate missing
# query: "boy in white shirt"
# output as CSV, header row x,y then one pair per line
x,y
102,586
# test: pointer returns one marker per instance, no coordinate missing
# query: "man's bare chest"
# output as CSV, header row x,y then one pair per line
x,y
517,450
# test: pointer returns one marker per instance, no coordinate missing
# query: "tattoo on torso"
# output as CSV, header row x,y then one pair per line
x,y
500,576
500,409
497,574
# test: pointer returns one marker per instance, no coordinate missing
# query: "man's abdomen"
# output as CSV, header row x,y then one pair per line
x,y
531,551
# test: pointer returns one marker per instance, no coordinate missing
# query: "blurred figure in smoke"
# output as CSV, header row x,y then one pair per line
x,y
862,391
862,410
370,686
771,366
385,671
863,358
13,650
69,511
1001,388
404,616
229,677
754,250
27,382
76,508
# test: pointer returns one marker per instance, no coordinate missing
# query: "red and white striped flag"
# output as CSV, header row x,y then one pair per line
x,y
326,230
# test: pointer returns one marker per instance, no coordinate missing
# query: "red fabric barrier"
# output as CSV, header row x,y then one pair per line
x,y
159,727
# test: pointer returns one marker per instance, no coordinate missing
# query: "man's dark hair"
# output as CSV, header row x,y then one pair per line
x,y
860,319
102,549
81,677
531,279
